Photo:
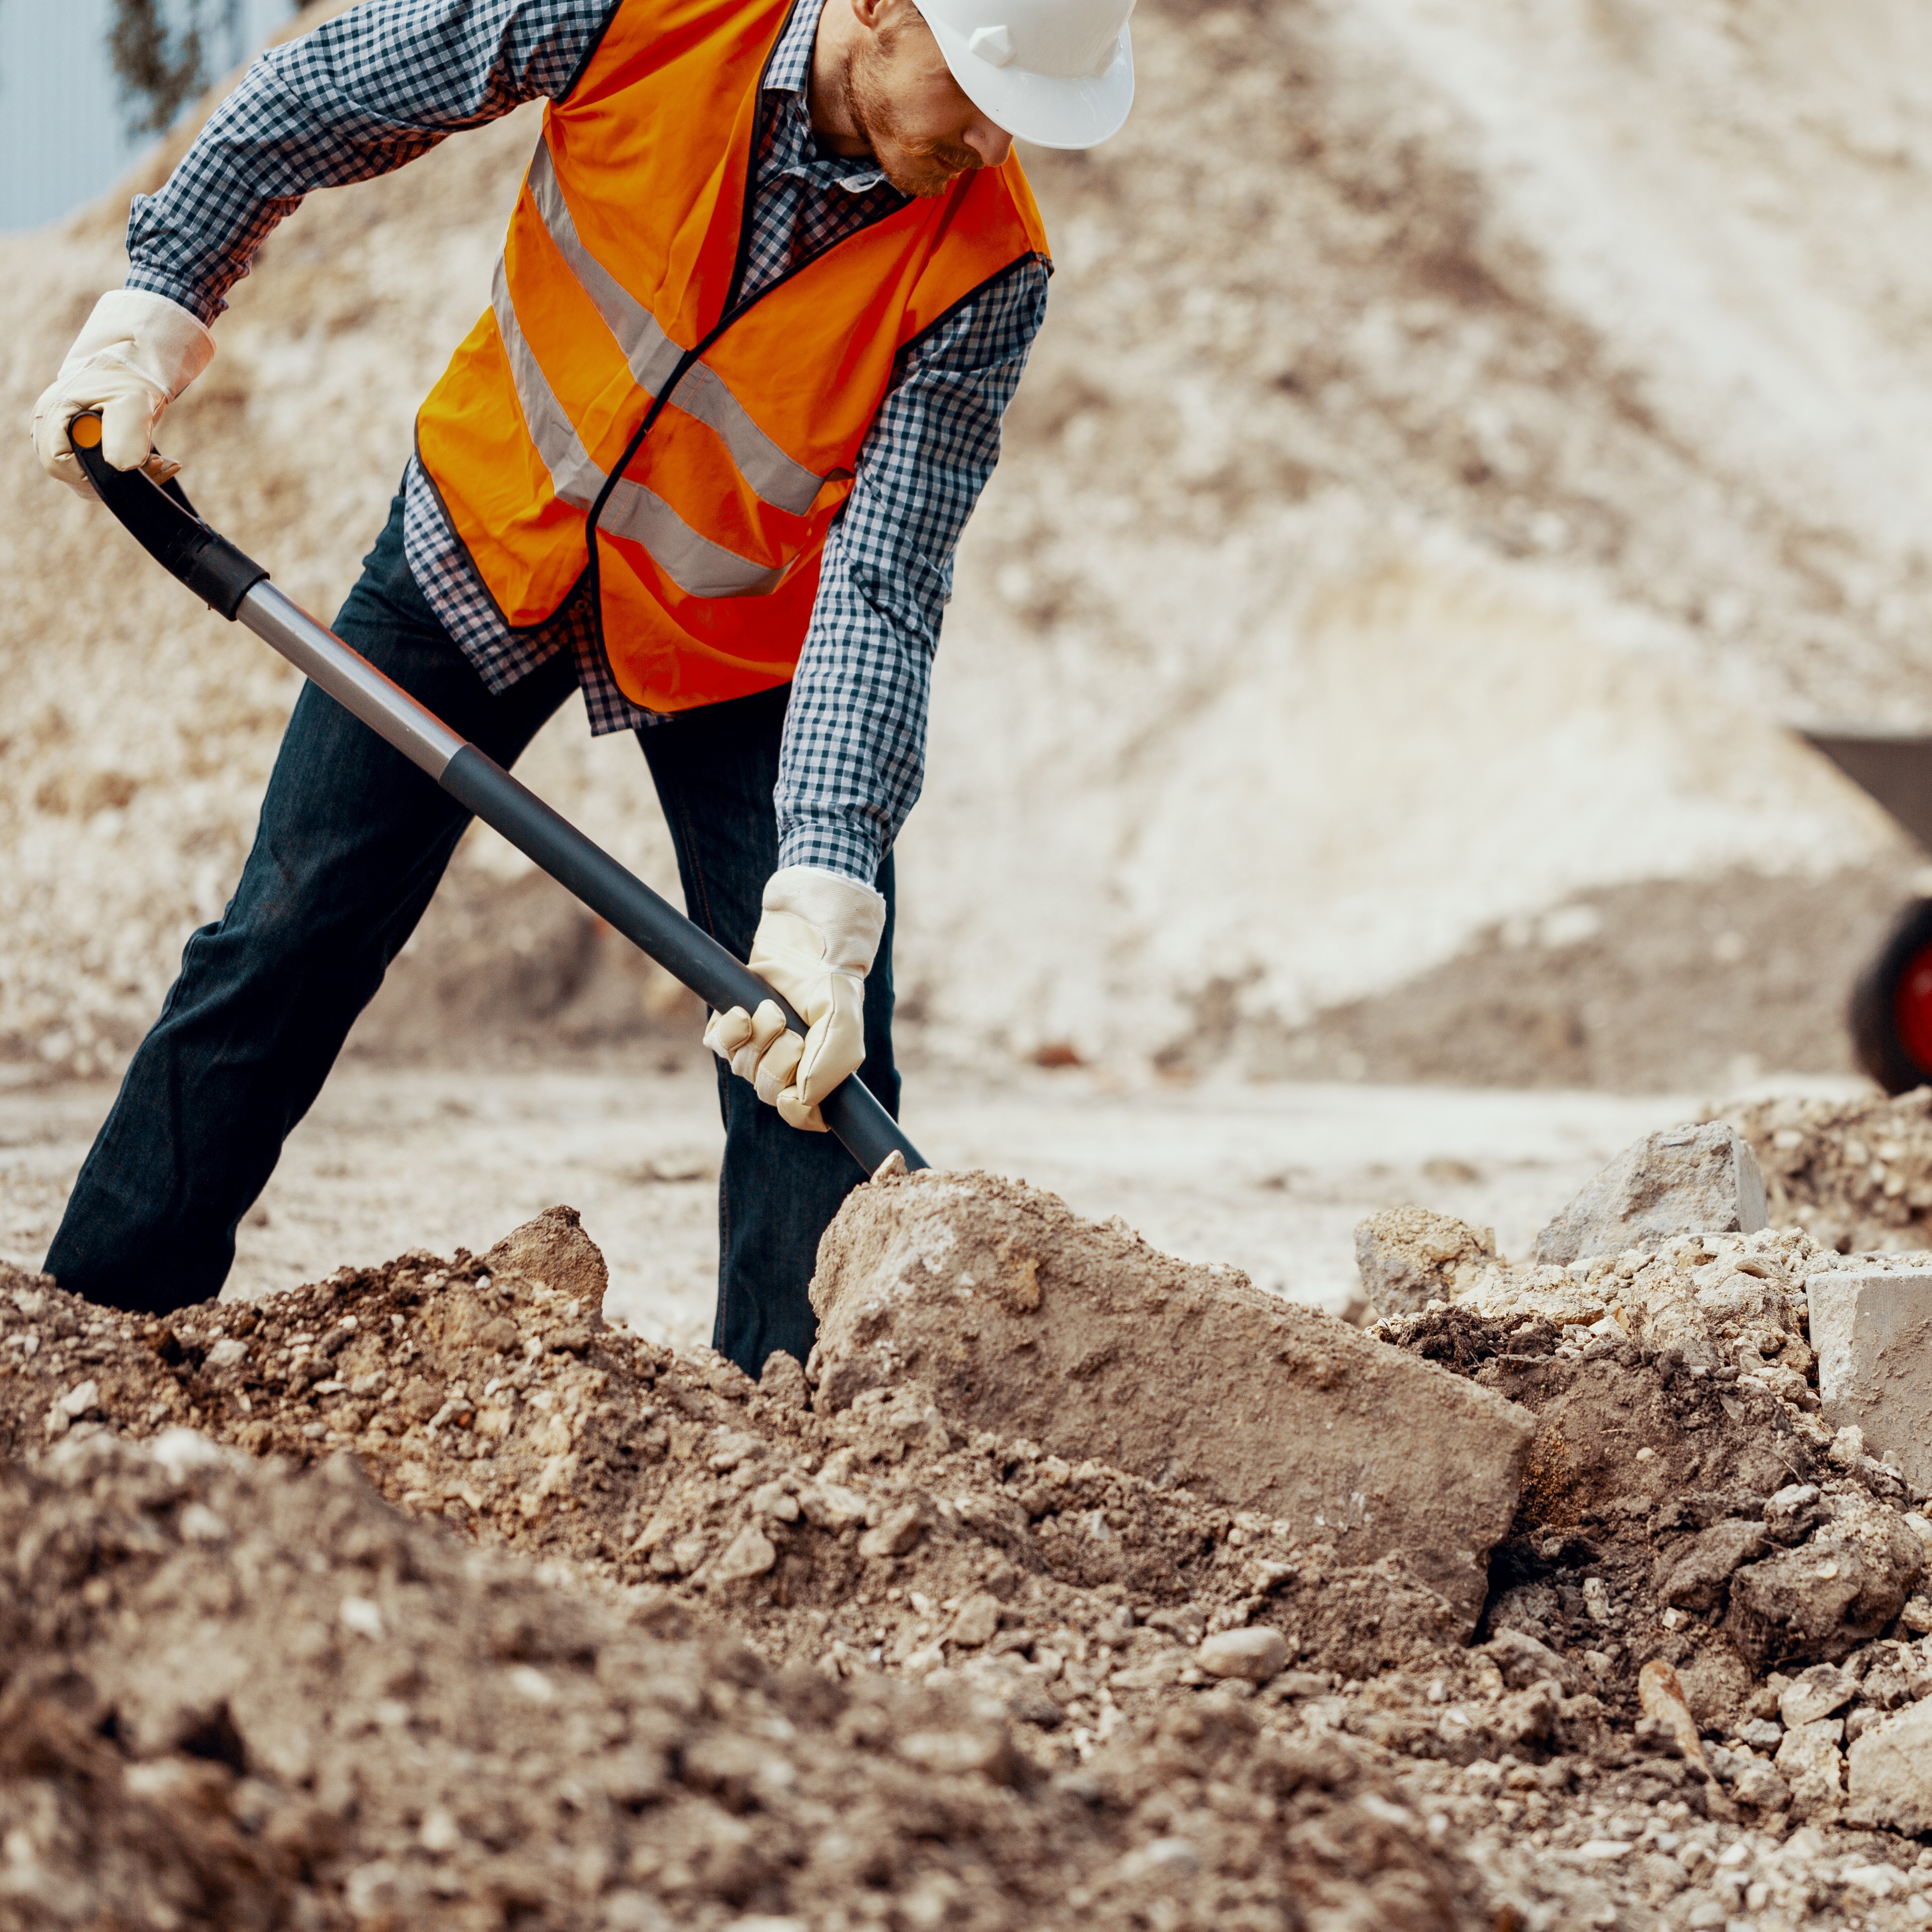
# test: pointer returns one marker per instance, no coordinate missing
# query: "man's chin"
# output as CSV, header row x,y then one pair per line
x,y
922,179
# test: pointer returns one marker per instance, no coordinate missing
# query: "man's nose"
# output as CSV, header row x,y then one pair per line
x,y
990,142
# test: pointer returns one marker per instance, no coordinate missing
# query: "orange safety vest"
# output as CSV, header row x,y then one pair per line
x,y
618,383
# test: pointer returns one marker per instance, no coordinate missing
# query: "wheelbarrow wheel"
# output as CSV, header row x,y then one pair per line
x,y
1891,1005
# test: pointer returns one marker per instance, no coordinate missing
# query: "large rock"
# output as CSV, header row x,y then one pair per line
x,y
1408,1257
1872,1330
1891,1781
1022,1318
1679,1180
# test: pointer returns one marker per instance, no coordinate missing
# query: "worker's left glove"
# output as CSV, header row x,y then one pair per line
x,y
138,353
814,945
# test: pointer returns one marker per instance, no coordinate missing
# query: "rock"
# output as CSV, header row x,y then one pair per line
x,y
1695,1579
1815,1693
1408,1257
783,1379
895,1533
1679,1180
1661,1698
1891,1783
1256,1654
1524,1660
1818,1602
977,1620
750,1553
1022,1318
1873,1332
1759,1785
554,1249
1809,1762
1794,1512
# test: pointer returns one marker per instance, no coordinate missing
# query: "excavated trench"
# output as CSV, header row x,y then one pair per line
x,y
1069,1584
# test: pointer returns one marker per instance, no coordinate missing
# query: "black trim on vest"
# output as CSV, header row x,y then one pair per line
x,y
583,67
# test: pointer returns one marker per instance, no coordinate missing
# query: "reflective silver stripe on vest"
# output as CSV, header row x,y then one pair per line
x,y
652,355
697,565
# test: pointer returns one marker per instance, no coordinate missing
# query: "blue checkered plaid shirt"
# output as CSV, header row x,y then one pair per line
x,y
378,86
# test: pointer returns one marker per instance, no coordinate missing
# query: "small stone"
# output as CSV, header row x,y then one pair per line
x,y
895,1533
1255,1653
227,1352
1815,1693
1679,1180
831,1506
82,1400
1161,1858
783,1381
421,1398
773,1500
1757,1785
1809,1762
362,1615
199,1524
978,1620
750,1553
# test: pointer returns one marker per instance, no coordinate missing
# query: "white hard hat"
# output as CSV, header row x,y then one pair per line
x,y
1057,72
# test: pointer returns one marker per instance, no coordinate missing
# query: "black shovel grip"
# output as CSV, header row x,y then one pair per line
x,y
161,520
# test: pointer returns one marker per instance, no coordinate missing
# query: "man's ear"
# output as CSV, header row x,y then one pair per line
x,y
872,13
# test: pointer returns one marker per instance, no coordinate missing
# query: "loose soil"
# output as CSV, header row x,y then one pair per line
x,y
605,1634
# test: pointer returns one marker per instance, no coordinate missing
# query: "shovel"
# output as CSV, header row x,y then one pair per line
x,y
160,517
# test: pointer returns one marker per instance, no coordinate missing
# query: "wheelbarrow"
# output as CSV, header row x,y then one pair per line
x,y
1890,1013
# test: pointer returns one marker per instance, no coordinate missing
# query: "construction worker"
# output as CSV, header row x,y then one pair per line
x,y
769,286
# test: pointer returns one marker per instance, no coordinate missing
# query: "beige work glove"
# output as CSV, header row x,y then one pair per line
x,y
137,353
814,945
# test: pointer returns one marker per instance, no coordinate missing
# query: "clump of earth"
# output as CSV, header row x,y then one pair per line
x,y
423,1596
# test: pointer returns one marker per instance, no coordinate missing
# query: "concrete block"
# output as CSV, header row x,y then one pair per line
x,y
1872,1331
1679,1180
1020,1318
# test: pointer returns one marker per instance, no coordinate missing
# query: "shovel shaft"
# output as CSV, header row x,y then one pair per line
x,y
167,528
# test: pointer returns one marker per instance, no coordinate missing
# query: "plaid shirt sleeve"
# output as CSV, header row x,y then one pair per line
x,y
362,94
854,753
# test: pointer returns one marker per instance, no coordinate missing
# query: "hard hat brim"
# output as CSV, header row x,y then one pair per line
x,y
1041,107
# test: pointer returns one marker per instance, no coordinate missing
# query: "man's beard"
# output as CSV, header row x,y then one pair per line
x,y
923,168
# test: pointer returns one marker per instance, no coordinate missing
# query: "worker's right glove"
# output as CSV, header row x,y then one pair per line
x,y
138,353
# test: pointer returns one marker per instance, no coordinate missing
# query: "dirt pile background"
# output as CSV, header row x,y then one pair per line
x,y
1406,479
1157,1684
1855,1175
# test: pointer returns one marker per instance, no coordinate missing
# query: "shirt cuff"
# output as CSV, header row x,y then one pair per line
x,y
854,852
197,302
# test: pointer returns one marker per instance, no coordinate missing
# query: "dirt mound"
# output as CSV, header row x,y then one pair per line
x,y
234,1697
1856,1175
1152,1708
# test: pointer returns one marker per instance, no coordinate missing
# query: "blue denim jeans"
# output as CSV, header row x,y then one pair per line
x,y
352,842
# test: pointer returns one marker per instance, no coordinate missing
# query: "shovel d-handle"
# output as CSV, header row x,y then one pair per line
x,y
165,523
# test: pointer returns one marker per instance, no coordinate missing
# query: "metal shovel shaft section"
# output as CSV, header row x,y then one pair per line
x,y
161,519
